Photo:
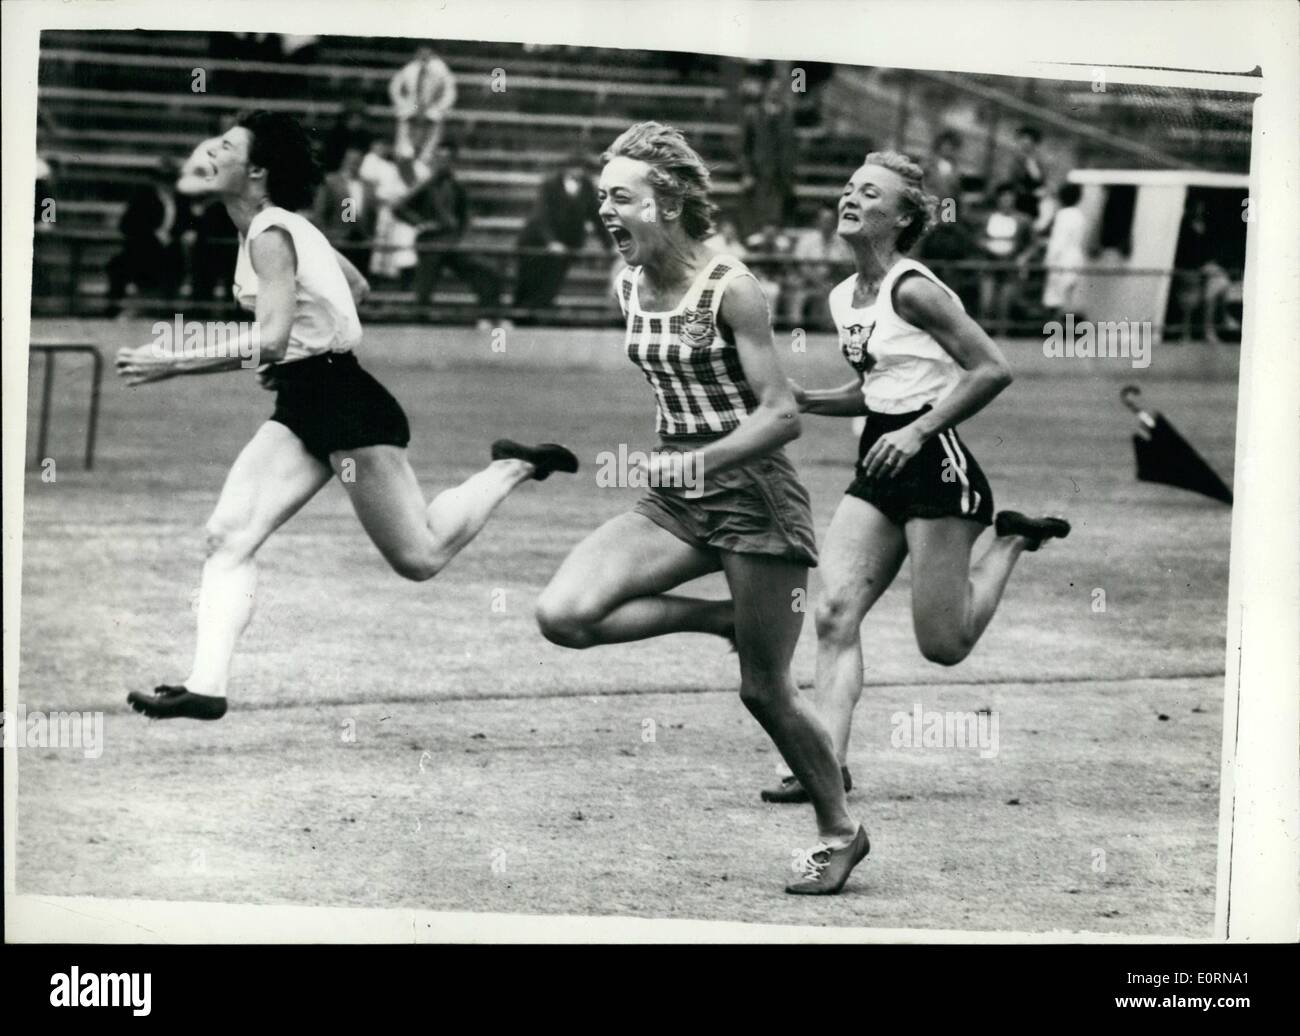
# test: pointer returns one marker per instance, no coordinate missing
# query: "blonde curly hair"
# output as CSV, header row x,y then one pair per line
x,y
914,200
676,171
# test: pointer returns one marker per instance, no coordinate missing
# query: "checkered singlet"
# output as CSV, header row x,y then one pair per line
x,y
696,375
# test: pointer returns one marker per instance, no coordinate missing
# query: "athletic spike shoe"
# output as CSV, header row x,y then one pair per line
x,y
545,457
790,790
1035,530
822,871
177,702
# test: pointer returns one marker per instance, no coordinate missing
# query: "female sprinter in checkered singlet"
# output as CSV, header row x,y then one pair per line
x,y
699,329
922,366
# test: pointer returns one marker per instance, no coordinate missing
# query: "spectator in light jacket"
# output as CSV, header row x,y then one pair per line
x,y
423,91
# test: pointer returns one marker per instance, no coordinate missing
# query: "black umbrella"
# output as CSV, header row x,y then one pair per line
x,y
1165,456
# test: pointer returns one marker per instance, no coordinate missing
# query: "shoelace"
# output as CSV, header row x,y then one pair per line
x,y
804,862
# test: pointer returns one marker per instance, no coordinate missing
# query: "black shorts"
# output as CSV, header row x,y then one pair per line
x,y
943,480
331,404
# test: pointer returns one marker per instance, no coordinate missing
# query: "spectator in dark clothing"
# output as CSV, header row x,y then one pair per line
x,y
1027,173
566,207
346,209
1201,280
952,239
807,102
44,216
245,46
439,210
767,157
942,176
151,226
216,249
348,131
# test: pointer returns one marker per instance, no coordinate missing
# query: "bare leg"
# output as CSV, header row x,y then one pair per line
x,y
419,540
767,628
610,588
861,555
953,601
271,479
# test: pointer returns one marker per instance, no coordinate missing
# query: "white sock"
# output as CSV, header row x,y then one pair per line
x,y
225,609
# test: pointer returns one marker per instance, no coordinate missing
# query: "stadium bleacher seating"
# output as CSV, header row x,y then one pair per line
x,y
112,103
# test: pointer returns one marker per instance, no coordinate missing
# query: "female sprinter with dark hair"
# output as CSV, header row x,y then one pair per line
x,y
922,367
699,329
330,415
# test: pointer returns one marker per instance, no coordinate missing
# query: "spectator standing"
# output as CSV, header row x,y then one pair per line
x,y
438,209
1065,252
1028,175
1007,240
566,207
820,258
346,209
942,176
215,251
151,226
767,156
952,239
423,91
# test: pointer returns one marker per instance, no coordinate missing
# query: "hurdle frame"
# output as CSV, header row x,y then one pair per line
x,y
51,351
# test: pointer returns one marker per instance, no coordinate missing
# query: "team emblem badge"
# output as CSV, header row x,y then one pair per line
x,y
697,327
854,340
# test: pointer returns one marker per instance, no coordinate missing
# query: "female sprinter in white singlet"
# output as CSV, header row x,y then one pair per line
x,y
330,415
922,367
699,329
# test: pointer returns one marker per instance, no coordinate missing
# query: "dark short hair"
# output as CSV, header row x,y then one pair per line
x,y
1069,194
281,146
1031,132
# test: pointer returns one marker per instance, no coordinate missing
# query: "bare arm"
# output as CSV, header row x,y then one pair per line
x,y
985,373
842,401
775,421
357,283
275,263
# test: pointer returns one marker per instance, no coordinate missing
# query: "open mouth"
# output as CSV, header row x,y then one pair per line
x,y
622,239
851,219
